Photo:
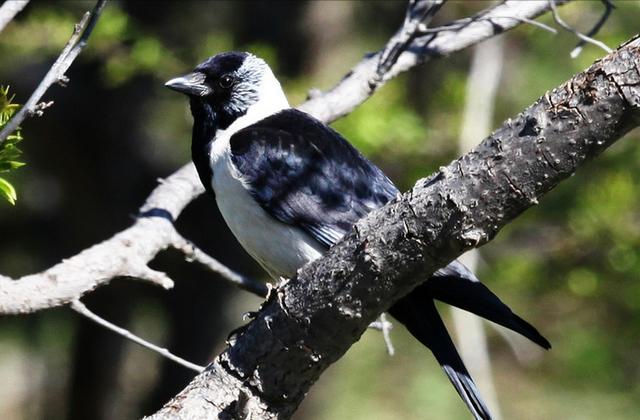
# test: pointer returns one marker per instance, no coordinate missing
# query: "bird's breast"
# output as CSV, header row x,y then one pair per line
x,y
280,248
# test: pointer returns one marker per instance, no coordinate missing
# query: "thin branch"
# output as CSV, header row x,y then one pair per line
x,y
9,10
72,49
463,22
608,8
531,22
356,88
386,328
417,17
193,253
583,37
80,308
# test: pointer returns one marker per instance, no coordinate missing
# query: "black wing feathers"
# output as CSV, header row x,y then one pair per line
x,y
303,173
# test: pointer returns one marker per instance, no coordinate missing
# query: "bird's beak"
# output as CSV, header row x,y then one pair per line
x,y
190,84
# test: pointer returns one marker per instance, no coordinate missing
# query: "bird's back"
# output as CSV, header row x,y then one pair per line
x,y
310,185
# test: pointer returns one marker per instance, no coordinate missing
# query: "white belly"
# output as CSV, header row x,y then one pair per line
x,y
281,249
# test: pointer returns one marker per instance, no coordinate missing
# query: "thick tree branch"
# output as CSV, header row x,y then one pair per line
x,y
477,121
309,322
71,50
125,254
154,232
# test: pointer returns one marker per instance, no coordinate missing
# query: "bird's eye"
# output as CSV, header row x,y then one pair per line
x,y
226,81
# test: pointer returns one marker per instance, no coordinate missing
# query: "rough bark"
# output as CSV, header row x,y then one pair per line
x,y
482,86
311,321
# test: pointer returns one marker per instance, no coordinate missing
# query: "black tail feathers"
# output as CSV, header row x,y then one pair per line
x,y
457,286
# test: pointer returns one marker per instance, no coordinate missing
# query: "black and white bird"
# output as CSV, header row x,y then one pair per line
x,y
289,187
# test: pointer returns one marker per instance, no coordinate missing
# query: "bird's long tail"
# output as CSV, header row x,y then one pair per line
x,y
423,321
458,286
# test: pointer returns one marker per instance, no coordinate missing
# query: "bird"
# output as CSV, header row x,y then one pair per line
x,y
289,187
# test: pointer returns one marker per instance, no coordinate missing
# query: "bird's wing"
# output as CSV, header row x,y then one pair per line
x,y
305,174
418,313
456,285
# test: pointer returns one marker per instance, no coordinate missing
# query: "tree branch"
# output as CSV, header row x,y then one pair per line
x,y
154,232
363,79
309,322
608,8
80,308
583,38
482,87
193,253
418,15
72,49
9,10
125,254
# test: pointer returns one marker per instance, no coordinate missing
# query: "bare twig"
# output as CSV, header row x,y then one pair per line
x,y
583,37
531,22
80,308
461,23
386,328
72,49
608,8
460,34
193,253
9,10
418,15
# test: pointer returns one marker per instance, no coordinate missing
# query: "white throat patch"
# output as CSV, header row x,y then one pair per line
x,y
269,97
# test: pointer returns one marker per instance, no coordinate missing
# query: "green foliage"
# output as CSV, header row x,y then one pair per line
x,y
129,50
9,152
125,48
373,127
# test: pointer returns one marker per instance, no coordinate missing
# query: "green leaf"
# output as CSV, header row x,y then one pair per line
x,y
9,152
6,166
7,190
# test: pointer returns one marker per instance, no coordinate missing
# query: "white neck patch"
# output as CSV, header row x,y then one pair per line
x,y
269,95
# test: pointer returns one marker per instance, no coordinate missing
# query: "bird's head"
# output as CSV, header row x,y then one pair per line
x,y
230,85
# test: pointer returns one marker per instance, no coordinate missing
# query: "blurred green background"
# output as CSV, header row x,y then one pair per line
x,y
571,265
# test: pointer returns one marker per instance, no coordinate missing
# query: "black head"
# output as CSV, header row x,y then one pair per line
x,y
223,87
